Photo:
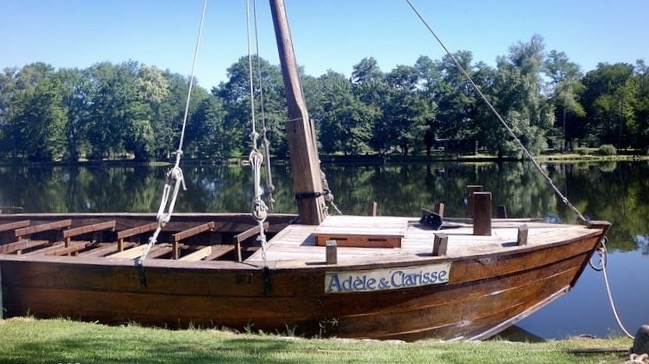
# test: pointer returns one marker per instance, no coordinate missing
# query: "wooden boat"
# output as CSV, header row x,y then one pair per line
x,y
347,276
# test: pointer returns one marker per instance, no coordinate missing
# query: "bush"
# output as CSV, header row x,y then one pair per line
x,y
583,151
606,149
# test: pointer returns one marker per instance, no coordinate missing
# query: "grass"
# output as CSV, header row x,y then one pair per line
x,y
28,340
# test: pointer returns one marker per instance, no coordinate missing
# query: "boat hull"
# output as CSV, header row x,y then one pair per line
x,y
484,293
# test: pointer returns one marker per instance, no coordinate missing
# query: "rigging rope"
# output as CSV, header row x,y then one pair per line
x,y
564,199
602,251
270,187
175,175
259,208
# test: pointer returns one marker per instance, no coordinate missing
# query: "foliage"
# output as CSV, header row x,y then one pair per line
x,y
606,149
135,111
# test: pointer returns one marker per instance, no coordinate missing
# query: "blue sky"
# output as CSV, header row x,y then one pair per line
x,y
331,34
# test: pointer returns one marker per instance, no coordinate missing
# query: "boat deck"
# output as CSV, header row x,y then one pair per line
x,y
295,246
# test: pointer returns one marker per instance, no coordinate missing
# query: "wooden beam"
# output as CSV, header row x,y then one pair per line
x,y
14,225
300,131
20,245
198,255
43,227
108,225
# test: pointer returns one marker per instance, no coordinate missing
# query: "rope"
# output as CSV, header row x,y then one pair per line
x,y
270,187
602,251
175,175
564,199
259,208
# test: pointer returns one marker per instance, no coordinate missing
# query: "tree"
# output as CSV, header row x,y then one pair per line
x,y
516,93
345,122
235,93
609,103
39,118
565,88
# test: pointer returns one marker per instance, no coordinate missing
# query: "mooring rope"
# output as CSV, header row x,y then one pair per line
x,y
175,175
602,252
564,199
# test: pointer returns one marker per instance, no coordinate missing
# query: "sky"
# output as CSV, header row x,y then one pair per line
x,y
328,34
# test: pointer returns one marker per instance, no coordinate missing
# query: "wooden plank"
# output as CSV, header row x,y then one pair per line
x,y
69,250
193,231
360,241
43,227
20,245
14,225
47,250
105,250
129,253
218,251
159,250
137,230
108,225
198,255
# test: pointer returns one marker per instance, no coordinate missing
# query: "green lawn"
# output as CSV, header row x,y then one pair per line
x,y
27,340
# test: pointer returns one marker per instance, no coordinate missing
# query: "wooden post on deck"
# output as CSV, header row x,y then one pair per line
x,y
482,213
470,190
332,251
522,235
440,244
300,131
439,209
371,208
501,211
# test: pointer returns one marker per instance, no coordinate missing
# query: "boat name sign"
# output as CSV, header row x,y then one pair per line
x,y
386,279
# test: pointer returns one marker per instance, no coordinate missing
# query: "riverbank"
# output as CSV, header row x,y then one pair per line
x,y
28,340
582,155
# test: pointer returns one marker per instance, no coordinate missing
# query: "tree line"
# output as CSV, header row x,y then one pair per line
x,y
132,110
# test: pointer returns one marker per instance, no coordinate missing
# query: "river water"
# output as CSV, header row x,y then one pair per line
x,y
617,192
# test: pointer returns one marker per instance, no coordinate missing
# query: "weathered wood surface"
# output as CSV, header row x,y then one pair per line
x,y
492,282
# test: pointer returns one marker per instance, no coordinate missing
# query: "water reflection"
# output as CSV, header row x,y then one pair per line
x,y
616,192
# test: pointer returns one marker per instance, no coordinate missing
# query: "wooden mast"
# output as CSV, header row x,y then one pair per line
x,y
305,164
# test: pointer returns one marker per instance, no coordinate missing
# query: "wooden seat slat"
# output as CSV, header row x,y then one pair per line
x,y
43,227
137,230
14,225
108,225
